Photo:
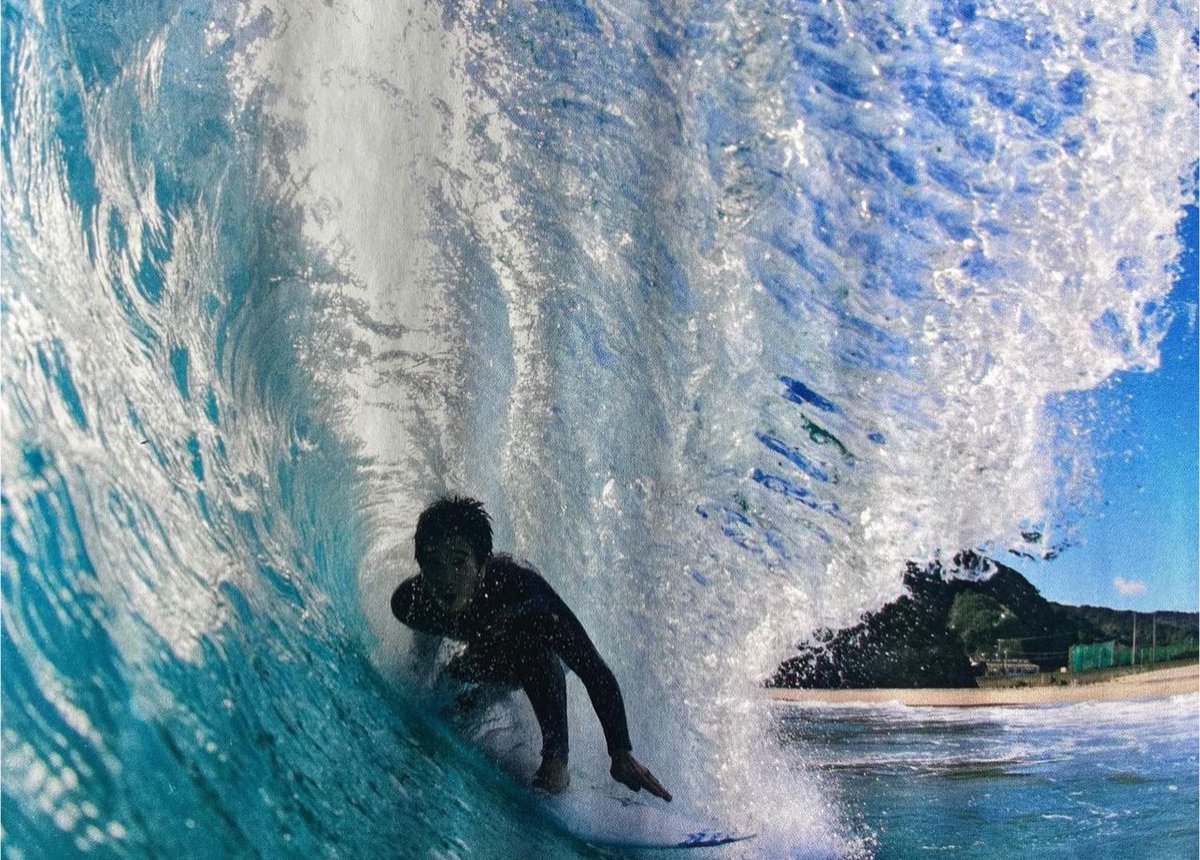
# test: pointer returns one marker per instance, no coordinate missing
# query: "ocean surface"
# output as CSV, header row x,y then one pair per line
x,y
1095,779
725,310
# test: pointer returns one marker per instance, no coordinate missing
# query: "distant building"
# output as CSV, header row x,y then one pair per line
x,y
1012,667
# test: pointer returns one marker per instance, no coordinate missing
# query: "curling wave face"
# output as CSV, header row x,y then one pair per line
x,y
724,311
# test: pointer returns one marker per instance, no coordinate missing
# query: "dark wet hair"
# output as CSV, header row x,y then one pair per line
x,y
452,516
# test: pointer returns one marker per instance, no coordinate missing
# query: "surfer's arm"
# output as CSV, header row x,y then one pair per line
x,y
413,608
424,655
570,641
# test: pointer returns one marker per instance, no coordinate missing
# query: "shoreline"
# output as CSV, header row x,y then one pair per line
x,y
1159,683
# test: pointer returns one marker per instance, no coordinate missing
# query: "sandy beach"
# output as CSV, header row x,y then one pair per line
x,y
1143,685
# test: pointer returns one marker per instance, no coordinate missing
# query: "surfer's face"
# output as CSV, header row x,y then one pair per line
x,y
451,573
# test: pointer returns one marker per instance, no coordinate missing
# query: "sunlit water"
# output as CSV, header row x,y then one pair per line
x,y
725,311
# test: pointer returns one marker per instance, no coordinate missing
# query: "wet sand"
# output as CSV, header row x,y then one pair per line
x,y
1143,685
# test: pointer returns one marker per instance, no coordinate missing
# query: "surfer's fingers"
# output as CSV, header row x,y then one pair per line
x,y
658,791
661,792
654,786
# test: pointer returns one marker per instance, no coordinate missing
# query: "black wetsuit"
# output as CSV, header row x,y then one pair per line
x,y
517,629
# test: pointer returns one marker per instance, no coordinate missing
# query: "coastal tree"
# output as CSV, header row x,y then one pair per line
x,y
979,620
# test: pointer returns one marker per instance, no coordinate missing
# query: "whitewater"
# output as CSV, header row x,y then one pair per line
x,y
725,310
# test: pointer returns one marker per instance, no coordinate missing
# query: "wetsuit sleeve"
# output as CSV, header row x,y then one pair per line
x,y
568,638
413,608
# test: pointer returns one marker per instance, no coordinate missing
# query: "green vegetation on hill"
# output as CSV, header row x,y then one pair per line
x,y
975,607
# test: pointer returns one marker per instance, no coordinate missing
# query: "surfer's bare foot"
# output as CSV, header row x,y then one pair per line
x,y
630,772
552,776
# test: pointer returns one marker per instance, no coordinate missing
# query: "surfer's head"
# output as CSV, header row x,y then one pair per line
x,y
453,542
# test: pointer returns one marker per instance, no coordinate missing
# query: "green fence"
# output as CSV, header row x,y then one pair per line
x,y
1163,653
1104,655
1100,655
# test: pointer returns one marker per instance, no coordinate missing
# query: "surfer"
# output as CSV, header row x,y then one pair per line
x,y
518,633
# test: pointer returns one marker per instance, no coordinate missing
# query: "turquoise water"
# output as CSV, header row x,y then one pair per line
x,y
1096,780
725,311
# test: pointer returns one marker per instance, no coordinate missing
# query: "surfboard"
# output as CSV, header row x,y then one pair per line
x,y
608,816
594,809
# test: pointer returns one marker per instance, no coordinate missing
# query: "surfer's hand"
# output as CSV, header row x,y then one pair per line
x,y
629,771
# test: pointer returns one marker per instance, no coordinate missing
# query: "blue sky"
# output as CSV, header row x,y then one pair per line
x,y
1145,533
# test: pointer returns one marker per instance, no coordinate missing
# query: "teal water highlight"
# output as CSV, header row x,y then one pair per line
x,y
275,274
182,671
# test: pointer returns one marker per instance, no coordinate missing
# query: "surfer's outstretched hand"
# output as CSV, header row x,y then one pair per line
x,y
629,771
